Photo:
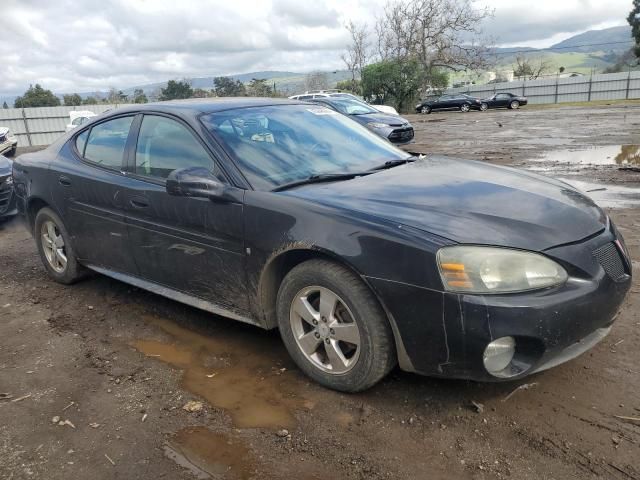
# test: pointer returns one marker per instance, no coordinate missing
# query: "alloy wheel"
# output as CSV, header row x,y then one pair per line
x,y
483,107
464,108
515,105
325,330
53,246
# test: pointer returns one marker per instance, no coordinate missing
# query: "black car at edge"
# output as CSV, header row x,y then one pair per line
x,y
7,197
288,215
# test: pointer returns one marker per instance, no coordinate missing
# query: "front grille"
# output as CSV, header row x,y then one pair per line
x,y
609,257
401,135
5,194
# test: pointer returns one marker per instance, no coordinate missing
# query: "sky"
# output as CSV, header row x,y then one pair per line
x,y
88,45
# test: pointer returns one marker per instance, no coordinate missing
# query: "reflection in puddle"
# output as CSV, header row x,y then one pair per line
x,y
240,375
607,195
603,155
210,455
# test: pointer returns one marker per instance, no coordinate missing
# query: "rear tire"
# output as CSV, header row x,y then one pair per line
x,y
55,249
464,107
324,308
514,105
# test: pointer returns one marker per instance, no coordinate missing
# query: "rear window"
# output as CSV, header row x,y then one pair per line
x,y
106,142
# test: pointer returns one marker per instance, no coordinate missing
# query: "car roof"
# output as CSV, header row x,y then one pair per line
x,y
208,105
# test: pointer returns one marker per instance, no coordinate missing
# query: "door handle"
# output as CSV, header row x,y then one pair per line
x,y
139,202
64,181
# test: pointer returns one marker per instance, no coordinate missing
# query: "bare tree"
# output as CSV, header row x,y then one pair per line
x,y
530,69
357,54
316,81
437,33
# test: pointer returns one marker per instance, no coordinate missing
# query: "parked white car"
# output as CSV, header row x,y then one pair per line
x,y
336,93
8,142
78,117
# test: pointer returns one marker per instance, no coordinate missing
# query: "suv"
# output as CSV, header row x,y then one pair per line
x,y
8,142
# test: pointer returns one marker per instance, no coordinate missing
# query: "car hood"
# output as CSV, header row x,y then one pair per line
x,y
393,120
468,202
4,130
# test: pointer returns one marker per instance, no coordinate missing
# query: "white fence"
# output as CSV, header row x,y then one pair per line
x,y
43,125
606,86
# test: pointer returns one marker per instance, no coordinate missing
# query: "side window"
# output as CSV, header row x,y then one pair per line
x,y
106,142
165,145
81,141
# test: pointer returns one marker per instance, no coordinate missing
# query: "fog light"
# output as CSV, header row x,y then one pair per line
x,y
498,354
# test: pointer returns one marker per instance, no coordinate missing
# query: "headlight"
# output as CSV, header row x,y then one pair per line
x,y
377,125
9,181
470,269
419,105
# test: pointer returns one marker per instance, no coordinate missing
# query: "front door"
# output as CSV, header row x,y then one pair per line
x,y
192,245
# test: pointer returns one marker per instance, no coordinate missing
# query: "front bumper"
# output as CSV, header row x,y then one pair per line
x,y
445,334
8,145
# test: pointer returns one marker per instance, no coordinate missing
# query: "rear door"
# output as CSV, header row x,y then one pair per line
x,y
90,191
193,245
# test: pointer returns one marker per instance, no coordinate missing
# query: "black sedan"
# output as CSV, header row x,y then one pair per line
x,y
392,127
288,215
461,102
7,198
505,100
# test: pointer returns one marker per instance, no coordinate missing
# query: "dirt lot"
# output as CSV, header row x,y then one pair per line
x,y
94,377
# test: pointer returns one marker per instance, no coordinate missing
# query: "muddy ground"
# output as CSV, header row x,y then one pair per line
x,y
94,377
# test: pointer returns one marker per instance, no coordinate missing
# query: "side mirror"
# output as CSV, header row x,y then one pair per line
x,y
194,182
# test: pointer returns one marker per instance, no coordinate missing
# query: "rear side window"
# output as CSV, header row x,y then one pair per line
x,y
106,142
165,145
81,141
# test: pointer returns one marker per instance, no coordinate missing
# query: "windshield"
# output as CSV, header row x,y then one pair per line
x,y
350,106
275,145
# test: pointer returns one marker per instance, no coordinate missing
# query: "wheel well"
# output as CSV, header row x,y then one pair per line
x,y
33,208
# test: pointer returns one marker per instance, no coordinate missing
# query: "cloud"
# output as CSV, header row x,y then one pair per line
x,y
72,45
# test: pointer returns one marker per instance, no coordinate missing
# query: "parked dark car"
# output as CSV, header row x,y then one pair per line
x,y
7,197
461,102
391,127
288,215
505,100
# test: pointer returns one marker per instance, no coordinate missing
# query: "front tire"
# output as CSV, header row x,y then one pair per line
x,y
484,107
54,247
426,110
333,327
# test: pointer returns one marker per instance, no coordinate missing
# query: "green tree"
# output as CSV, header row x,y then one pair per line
x,y
90,101
352,86
634,21
139,96
259,88
176,90
72,100
228,87
201,93
392,81
37,97
5,106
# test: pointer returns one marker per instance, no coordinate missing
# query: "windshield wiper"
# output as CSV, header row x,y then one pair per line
x,y
321,177
394,163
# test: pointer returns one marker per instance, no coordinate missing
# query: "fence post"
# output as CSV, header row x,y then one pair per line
x,y
626,96
556,96
26,126
590,84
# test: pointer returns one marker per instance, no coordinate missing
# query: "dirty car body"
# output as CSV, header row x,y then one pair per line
x,y
224,240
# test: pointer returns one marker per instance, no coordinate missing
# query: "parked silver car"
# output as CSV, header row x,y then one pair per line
x,y
8,142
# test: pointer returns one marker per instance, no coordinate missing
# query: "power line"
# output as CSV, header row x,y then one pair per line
x,y
561,48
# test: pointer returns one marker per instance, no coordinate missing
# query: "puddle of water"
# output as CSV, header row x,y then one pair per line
x,y
238,374
607,195
210,455
603,155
